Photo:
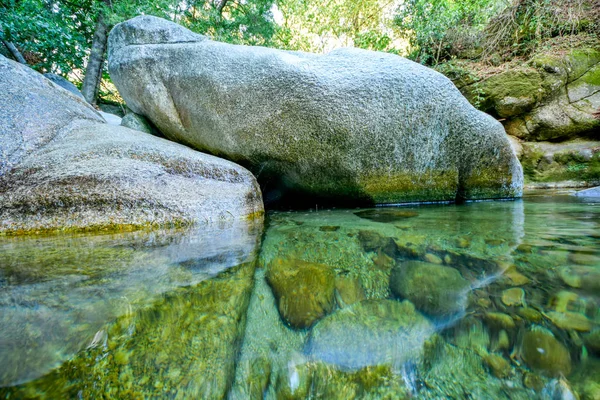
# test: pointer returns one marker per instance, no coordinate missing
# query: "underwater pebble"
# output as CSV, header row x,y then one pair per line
x,y
329,228
542,351
581,277
432,258
533,381
513,297
530,314
500,320
570,320
525,248
569,278
484,302
515,278
560,301
371,332
584,259
503,340
463,242
388,215
434,289
499,366
304,291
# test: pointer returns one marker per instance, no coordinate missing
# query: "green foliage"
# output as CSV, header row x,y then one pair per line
x,y
240,22
433,27
56,35
52,35
318,26
524,25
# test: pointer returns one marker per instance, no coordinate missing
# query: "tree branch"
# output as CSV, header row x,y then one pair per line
x,y
14,51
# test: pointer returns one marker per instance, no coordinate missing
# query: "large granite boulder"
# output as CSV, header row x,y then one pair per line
x,y
64,83
351,124
62,167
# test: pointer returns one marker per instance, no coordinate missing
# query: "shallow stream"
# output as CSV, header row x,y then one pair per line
x,y
496,300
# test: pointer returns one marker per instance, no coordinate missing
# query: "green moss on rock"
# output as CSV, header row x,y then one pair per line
x,y
304,291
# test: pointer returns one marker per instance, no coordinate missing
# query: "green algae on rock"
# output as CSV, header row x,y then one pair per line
x,y
434,289
542,351
304,291
351,125
369,333
552,98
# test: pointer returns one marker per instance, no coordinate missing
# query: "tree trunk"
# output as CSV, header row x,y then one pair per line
x,y
220,7
11,48
14,51
93,71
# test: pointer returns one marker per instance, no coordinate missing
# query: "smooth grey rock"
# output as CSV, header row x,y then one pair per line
x,y
65,84
111,119
33,111
351,124
591,192
137,122
68,170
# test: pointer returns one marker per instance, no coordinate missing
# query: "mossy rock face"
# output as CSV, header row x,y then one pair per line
x,y
351,126
577,160
304,291
513,92
553,98
542,351
434,289
369,333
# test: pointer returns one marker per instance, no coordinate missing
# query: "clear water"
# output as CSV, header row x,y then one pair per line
x,y
483,300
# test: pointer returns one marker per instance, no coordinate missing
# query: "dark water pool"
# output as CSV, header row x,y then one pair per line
x,y
494,300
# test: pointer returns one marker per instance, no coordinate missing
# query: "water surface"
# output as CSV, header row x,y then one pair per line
x,y
482,300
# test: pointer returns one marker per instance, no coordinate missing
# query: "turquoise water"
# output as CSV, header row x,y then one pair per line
x,y
482,300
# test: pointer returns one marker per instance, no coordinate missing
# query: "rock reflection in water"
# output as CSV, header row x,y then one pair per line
x,y
58,292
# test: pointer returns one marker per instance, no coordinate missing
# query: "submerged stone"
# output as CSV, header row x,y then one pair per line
x,y
348,290
389,215
351,125
542,351
513,297
434,289
592,341
369,333
584,259
500,320
498,365
570,320
304,291
581,276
